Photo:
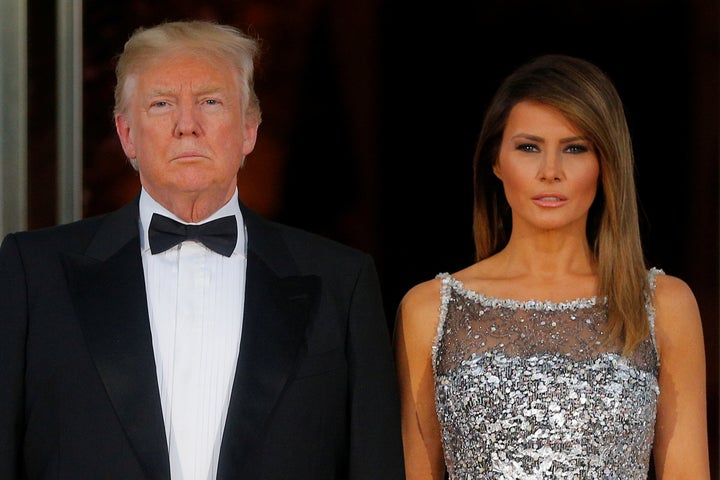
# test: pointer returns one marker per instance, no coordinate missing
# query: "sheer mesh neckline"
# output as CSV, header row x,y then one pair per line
x,y
533,304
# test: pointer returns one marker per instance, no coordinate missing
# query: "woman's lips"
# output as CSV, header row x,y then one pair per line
x,y
549,199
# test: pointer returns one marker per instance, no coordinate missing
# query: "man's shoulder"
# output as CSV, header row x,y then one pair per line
x,y
41,248
316,242
299,237
77,234
54,233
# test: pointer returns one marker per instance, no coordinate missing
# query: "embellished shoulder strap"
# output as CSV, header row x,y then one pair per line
x,y
650,305
445,289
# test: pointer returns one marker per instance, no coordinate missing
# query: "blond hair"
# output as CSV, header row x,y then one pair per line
x,y
222,41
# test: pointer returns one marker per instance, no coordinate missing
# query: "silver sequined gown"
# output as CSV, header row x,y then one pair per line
x,y
528,390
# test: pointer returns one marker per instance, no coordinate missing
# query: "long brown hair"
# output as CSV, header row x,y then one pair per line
x,y
584,95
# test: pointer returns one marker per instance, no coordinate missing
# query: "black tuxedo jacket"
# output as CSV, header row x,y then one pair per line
x,y
314,395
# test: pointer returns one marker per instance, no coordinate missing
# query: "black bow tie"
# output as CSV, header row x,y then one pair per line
x,y
218,235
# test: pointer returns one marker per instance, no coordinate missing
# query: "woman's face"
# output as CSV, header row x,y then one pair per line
x,y
548,168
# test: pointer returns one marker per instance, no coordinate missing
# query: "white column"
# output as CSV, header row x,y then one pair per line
x,y
69,121
13,116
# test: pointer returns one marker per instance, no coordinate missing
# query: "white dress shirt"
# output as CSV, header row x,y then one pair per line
x,y
195,301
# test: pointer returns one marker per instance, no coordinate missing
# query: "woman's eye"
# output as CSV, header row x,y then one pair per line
x,y
576,149
527,147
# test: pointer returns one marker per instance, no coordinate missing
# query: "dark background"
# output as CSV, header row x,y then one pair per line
x,y
371,109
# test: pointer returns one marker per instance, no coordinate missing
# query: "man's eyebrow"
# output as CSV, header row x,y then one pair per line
x,y
209,89
160,92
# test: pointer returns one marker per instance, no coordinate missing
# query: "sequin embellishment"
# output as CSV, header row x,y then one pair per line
x,y
528,390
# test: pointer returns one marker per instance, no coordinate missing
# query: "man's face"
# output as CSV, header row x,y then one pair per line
x,y
185,125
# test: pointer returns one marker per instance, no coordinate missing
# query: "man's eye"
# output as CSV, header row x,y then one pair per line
x,y
159,104
211,101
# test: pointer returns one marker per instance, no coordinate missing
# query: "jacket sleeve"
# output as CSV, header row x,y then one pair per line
x,y
375,438
13,330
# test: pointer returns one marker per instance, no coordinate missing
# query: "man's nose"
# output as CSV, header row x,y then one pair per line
x,y
187,121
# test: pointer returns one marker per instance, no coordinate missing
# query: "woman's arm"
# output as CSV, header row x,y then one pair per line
x,y
681,439
416,326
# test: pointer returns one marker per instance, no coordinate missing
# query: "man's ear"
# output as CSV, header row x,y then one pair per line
x,y
122,126
250,129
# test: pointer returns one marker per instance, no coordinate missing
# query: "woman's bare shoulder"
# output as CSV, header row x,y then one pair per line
x,y
422,297
674,296
677,315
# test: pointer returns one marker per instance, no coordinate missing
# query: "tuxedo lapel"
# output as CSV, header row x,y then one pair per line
x,y
108,290
277,308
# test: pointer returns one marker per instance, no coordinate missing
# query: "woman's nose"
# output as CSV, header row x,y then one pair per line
x,y
550,168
